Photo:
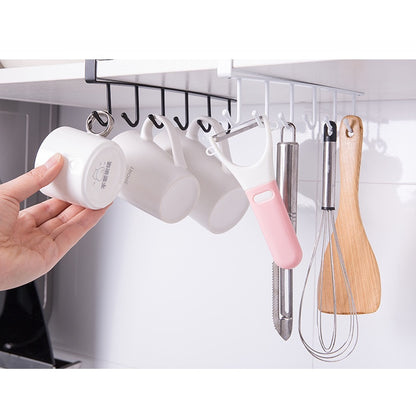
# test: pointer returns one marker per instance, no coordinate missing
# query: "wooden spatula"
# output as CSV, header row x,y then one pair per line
x,y
359,259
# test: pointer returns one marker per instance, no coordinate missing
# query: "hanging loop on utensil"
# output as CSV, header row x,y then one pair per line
x,y
176,118
136,103
289,126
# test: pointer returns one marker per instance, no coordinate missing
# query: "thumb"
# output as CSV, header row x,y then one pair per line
x,y
26,185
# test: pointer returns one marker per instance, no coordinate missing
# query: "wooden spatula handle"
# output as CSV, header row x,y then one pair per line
x,y
350,157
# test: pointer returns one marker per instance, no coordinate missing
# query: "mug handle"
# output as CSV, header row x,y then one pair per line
x,y
177,152
193,130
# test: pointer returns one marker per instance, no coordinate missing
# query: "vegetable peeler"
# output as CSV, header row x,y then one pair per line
x,y
259,183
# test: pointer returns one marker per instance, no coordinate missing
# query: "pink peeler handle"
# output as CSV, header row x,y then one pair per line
x,y
275,224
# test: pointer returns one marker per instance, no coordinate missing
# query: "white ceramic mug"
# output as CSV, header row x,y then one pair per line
x,y
157,182
222,202
94,167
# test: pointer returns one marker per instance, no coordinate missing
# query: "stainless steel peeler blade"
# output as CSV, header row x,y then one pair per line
x,y
282,301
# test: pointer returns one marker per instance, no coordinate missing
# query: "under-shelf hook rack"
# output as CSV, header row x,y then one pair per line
x,y
92,78
226,69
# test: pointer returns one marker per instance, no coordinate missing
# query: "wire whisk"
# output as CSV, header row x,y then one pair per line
x,y
327,247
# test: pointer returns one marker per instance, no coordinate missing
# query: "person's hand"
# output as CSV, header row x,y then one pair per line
x,y
33,240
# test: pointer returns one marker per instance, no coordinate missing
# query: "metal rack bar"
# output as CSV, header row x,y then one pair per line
x,y
91,78
238,74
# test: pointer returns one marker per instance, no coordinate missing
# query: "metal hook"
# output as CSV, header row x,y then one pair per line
x,y
334,106
162,110
108,126
267,98
125,116
95,113
328,125
292,102
227,113
200,123
176,119
282,121
348,126
311,125
99,119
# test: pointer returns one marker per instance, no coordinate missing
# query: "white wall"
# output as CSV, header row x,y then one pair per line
x,y
136,292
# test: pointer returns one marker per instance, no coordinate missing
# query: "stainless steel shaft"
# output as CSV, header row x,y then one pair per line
x,y
329,175
287,182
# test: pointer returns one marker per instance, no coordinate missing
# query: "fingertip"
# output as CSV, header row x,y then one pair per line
x,y
55,160
51,168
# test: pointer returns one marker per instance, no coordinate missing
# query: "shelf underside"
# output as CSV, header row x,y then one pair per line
x,y
64,84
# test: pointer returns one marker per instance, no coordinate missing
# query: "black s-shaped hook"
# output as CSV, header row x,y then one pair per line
x,y
200,123
162,110
125,116
96,115
176,119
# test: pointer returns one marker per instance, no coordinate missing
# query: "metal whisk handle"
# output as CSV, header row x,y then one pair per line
x,y
329,167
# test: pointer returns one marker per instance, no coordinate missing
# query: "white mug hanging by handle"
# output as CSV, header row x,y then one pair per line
x,y
94,167
156,182
222,202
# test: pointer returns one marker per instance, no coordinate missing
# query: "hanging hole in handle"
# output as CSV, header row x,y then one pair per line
x,y
263,197
210,151
350,131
